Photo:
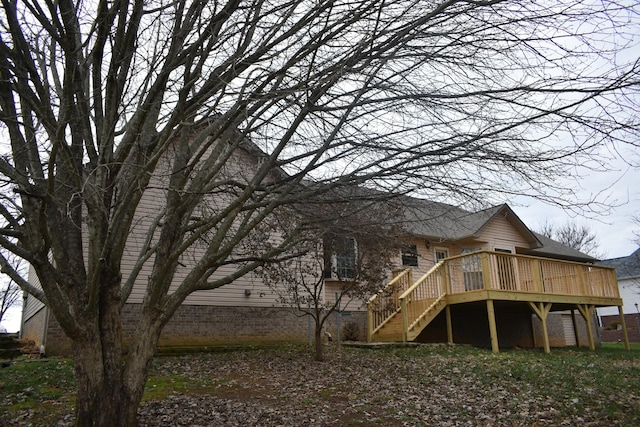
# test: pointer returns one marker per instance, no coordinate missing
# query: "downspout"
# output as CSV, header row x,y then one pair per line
x,y
24,309
45,331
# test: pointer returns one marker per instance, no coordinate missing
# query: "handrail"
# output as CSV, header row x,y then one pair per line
x,y
433,304
391,283
483,270
386,301
421,279
418,298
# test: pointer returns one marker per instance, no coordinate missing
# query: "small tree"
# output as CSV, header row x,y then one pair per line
x,y
10,294
355,253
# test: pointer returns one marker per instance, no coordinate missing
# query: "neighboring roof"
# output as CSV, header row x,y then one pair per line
x,y
627,267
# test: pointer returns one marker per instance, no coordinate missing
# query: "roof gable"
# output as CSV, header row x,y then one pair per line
x,y
433,220
445,222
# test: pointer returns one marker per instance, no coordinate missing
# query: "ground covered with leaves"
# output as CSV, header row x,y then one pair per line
x,y
414,386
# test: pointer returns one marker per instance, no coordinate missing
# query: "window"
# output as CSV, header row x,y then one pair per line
x,y
472,269
410,256
440,254
339,257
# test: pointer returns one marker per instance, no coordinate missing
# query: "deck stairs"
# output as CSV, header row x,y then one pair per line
x,y
392,330
408,309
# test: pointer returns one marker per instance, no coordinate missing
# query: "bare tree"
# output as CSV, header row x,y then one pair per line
x,y
10,294
343,258
576,236
106,105
10,291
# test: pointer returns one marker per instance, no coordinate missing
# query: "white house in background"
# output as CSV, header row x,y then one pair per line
x,y
628,273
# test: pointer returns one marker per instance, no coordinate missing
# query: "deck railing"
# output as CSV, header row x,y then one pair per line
x,y
521,273
416,300
487,270
385,303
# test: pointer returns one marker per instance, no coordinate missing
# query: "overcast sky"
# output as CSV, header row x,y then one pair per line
x,y
614,230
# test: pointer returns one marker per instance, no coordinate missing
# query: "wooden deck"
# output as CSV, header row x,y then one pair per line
x,y
402,310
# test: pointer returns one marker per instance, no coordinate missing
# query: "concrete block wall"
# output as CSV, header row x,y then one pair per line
x,y
556,332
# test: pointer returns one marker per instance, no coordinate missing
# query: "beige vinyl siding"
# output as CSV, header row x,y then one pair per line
x,y
233,294
346,304
500,234
33,304
426,255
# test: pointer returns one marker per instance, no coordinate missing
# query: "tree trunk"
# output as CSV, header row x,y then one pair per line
x,y
109,386
319,347
110,383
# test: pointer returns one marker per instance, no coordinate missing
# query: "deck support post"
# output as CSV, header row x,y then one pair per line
x,y
625,334
405,319
587,313
541,310
493,331
449,325
369,322
575,327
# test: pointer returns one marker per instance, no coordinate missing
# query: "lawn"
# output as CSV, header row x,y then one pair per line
x,y
418,386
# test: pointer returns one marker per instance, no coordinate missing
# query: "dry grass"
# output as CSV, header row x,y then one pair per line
x,y
422,386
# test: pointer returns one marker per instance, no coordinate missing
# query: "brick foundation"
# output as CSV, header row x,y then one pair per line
x,y
613,334
212,326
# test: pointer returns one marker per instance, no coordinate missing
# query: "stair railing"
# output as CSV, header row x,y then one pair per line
x,y
383,305
417,300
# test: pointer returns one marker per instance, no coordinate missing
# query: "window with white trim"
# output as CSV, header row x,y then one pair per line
x,y
440,254
340,257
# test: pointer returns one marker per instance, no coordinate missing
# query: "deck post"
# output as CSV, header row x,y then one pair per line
x,y
449,325
405,319
575,327
582,282
542,311
493,331
444,274
369,322
625,334
486,270
587,313
537,276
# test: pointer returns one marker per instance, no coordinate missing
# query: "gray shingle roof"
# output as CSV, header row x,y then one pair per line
x,y
434,220
626,267
551,247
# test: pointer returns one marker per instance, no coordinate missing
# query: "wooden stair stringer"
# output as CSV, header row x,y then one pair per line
x,y
391,331
426,318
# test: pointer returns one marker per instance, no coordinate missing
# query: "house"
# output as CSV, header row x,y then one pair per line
x,y
485,279
628,274
494,263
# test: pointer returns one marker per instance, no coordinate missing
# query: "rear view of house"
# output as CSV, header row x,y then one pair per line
x,y
485,275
